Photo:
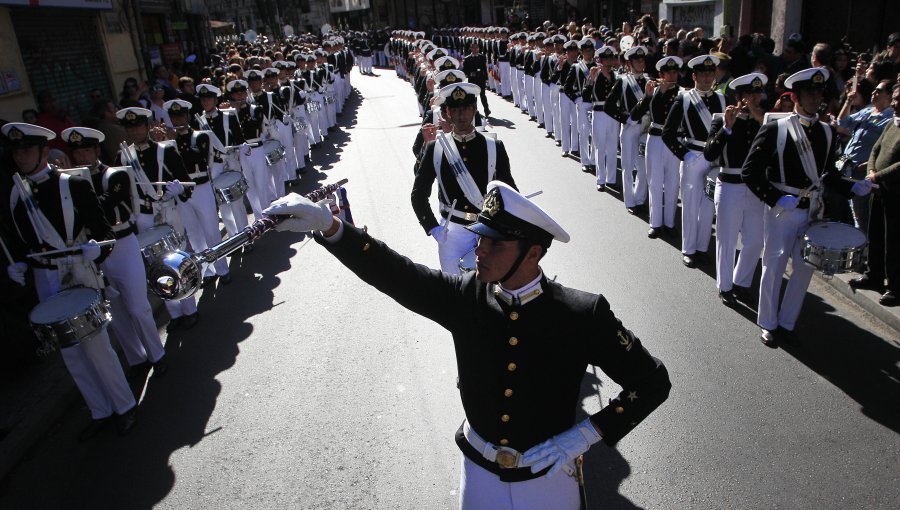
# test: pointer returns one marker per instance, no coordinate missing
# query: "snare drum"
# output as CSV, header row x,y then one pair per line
x,y
274,151
159,240
467,262
229,187
67,318
834,247
313,106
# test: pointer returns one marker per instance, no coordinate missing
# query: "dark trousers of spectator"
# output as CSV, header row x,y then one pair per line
x,y
483,86
884,240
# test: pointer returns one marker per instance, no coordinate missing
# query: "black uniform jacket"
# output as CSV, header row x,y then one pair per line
x,y
173,169
601,90
115,199
730,150
195,155
539,351
88,215
475,68
428,118
658,105
576,82
761,168
676,123
474,154
621,100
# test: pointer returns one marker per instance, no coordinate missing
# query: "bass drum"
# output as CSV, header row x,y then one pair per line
x,y
467,262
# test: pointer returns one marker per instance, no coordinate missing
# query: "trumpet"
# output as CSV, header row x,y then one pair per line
x,y
178,274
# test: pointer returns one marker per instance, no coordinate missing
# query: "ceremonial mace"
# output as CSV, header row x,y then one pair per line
x,y
178,274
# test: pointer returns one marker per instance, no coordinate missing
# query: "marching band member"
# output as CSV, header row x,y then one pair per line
x,y
579,90
459,193
199,214
662,165
475,67
502,52
738,210
158,207
605,128
545,66
225,131
60,211
293,96
318,123
133,321
273,127
685,133
521,354
567,111
252,153
788,162
627,91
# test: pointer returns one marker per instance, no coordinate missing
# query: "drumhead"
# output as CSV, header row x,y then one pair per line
x,y
65,305
154,234
832,234
227,179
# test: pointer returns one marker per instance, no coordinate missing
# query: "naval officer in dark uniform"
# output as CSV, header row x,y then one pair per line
x,y
523,343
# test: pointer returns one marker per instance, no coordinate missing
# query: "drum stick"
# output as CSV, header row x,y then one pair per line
x,y
6,252
187,184
67,250
850,179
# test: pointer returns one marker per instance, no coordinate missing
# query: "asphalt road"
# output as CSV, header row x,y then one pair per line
x,y
304,388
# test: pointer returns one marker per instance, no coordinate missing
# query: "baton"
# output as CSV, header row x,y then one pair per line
x,y
67,250
187,184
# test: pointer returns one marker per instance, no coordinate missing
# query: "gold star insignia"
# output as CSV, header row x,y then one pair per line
x,y
632,396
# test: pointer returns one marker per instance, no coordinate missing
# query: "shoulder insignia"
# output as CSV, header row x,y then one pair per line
x,y
624,340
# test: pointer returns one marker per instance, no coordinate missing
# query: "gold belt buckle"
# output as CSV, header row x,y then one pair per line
x,y
507,459
471,216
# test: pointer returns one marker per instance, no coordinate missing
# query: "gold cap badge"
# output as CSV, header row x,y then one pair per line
x,y
75,137
459,94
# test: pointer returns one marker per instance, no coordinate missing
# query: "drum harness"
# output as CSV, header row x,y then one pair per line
x,y
443,148
791,126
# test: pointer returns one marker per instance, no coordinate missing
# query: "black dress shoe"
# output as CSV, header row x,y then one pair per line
x,y
207,281
161,367
654,232
601,188
173,324
575,154
225,279
742,294
615,185
586,169
558,143
631,210
565,154
866,282
541,125
92,429
727,298
689,261
787,336
126,422
888,299
139,370
769,338
701,257
189,321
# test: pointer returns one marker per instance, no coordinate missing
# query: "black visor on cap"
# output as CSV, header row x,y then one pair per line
x,y
496,223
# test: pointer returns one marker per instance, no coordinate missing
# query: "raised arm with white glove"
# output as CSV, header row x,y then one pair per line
x,y
561,449
304,214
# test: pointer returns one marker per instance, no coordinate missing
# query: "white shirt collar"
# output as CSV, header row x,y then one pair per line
x,y
464,138
41,176
523,295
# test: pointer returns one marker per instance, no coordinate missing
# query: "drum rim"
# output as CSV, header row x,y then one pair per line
x,y
69,297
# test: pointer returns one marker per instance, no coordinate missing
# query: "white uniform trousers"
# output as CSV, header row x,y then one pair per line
x,y
132,315
479,489
316,120
505,80
547,107
555,105
234,214
338,93
302,138
568,123
330,110
261,185
93,363
528,81
696,210
538,100
606,145
781,241
176,309
523,96
459,242
292,159
201,224
634,186
662,182
583,120
738,211
513,76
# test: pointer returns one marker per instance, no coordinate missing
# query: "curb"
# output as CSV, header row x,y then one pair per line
x,y
865,299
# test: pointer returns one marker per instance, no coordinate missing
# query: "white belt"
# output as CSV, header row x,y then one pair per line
x,y
599,103
118,227
197,175
656,126
506,458
459,214
730,171
787,189
695,141
254,140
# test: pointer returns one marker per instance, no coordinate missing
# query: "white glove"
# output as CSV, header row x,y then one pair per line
x,y
305,215
561,449
439,233
174,188
788,202
16,272
246,149
90,250
861,188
